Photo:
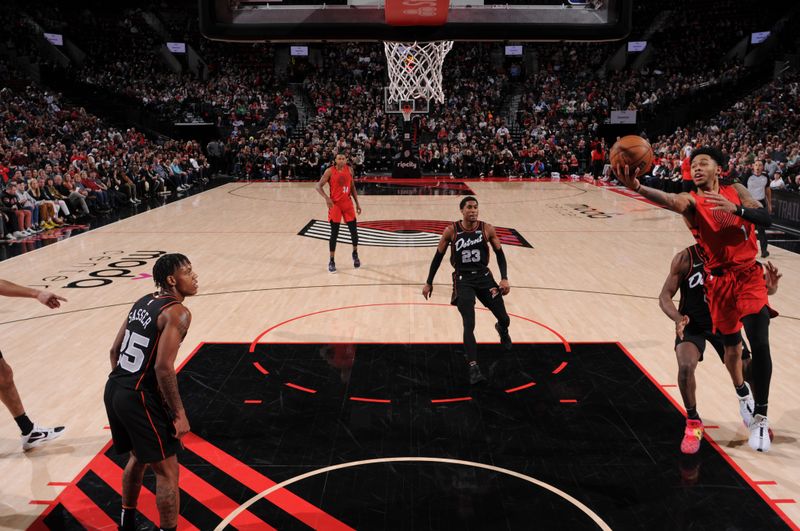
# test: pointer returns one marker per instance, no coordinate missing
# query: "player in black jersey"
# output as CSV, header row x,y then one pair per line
x,y
469,241
144,408
32,435
693,328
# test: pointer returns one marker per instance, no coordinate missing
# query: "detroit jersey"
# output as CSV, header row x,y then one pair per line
x,y
340,182
693,298
727,239
136,365
470,249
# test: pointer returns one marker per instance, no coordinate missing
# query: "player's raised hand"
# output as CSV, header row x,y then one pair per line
x,y
51,300
624,176
680,326
720,202
427,290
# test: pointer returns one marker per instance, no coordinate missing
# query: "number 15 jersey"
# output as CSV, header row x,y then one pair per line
x,y
137,356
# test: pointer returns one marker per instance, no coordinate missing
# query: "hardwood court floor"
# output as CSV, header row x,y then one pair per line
x,y
597,263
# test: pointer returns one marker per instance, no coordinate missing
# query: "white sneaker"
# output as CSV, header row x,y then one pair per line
x,y
39,436
746,407
19,234
759,434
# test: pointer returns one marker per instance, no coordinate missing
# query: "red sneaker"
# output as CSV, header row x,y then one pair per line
x,y
692,436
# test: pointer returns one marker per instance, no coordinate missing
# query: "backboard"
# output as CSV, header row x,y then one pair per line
x,y
366,20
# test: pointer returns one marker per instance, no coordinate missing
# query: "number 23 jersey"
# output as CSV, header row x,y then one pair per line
x,y
470,249
137,356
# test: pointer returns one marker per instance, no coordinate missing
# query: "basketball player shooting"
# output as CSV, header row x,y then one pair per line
x,y
340,180
469,241
725,218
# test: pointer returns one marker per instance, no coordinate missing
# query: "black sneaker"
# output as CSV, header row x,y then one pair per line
x,y
356,260
331,267
505,339
475,375
39,436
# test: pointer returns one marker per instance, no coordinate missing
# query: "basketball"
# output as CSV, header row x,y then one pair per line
x,y
634,151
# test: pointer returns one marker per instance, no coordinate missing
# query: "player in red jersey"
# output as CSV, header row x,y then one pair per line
x,y
724,218
340,179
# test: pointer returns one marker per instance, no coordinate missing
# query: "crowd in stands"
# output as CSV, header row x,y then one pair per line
x,y
60,164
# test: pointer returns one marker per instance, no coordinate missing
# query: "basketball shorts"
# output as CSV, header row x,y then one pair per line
x,y
700,337
140,422
734,294
469,286
342,209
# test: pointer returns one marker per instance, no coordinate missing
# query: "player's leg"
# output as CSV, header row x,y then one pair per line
x,y
688,355
167,491
466,307
132,478
32,435
350,218
757,327
335,219
495,303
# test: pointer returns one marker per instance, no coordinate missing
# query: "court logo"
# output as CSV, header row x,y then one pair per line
x,y
101,269
576,210
401,233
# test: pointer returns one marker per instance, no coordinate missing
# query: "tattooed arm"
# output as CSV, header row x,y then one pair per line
x,y
174,324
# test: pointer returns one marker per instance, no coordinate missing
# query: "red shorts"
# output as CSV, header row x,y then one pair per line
x,y
342,209
735,294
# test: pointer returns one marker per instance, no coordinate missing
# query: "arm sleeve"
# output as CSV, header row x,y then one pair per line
x,y
755,215
435,263
501,263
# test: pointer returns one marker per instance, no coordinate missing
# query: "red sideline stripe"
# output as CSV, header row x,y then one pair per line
x,y
300,388
108,471
521,387
788,500
375,400
106,427
560,367
307,513
58,483
84,510
712,427
447,400
217,502
713,443
569,401
40,502
765,482
669,385
252,401
261,369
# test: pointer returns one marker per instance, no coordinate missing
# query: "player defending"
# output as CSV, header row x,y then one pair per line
x,y
32,435
469,241
693,328
144,408
340,179
725,218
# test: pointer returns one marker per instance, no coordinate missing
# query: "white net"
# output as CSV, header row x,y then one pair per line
x,y
415,69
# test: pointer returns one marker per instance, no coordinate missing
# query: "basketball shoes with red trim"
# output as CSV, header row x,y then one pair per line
x,y
692,435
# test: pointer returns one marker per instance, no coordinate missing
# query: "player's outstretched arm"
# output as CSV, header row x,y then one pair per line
x,y
681,264
9,289
680,203
176,321
326,176
494,240
751,209
116,347
441,249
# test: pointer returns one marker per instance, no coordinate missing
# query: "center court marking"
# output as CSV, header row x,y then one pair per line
x,y
243,507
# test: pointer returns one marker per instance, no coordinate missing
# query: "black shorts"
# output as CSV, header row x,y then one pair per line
x,y
140,423
699,338
469,286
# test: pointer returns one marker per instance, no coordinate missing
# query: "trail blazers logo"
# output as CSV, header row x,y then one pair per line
x,y
401,233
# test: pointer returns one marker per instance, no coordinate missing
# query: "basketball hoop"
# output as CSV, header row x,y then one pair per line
x,y
415,70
